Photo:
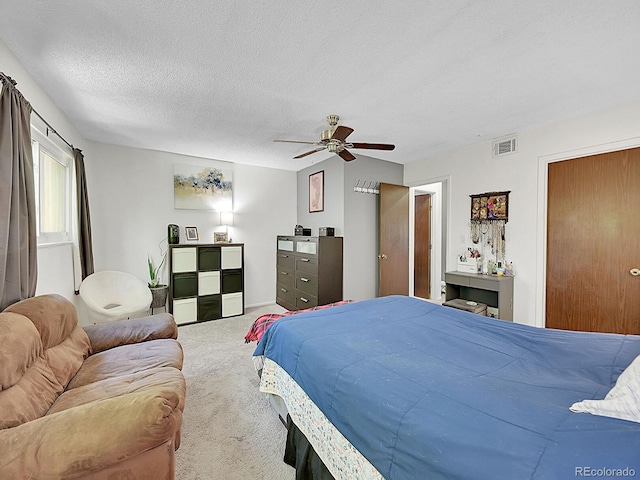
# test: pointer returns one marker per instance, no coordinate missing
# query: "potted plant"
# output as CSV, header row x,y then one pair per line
x,y
158,290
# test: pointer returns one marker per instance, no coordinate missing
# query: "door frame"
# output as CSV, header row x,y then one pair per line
x,y
440,193
541,224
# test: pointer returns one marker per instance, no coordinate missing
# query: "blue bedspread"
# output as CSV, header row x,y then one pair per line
x,y
425,391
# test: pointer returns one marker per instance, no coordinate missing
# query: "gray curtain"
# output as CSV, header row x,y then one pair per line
x,y
85,245
18,242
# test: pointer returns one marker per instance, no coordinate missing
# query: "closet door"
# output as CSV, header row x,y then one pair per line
x,y
593,243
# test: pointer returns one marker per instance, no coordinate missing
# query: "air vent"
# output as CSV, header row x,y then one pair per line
x,y
505,146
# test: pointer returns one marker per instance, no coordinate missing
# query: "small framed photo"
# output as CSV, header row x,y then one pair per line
x,y
316,192
191,233
220,237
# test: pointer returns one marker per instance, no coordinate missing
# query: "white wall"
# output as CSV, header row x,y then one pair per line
x,y
333,213
474,170
131,202
353,215
361,212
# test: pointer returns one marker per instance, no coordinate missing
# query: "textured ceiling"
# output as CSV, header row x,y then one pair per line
x,y
224,79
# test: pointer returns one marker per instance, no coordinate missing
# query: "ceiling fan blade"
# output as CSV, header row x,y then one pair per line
x,y
346,155
309,153
374,146
341,133
297,141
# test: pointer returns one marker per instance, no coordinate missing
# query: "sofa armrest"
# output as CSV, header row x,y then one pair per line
x,y
90,437
123,332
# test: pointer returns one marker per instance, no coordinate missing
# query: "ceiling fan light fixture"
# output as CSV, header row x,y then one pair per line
x,y
334,140
333,120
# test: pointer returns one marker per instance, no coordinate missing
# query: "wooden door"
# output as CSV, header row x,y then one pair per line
x,y
422,247
393,240
593,243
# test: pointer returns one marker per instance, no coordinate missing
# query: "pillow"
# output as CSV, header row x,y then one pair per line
x,y
622,401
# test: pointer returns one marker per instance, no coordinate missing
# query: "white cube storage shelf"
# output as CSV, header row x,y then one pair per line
x,y
206,282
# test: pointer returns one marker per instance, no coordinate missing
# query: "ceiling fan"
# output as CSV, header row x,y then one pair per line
x,y
334,140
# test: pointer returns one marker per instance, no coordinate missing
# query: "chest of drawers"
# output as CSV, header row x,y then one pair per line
x,y
309,271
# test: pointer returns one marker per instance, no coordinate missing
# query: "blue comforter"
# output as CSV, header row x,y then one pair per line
x,y
425,391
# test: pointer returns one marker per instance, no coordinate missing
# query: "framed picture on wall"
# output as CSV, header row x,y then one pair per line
x,y
316,192
220,237
490,206
191,233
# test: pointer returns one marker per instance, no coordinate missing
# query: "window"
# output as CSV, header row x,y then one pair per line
x,y
52,175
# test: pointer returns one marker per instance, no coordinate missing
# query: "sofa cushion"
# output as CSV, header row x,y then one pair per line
x,y
53,315
128,359
19,348
65,345
44,348
80,442
162,378
31,397
114,334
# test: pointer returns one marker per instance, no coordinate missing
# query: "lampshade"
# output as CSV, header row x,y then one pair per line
x,y
226,218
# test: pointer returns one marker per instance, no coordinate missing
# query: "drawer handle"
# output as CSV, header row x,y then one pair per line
x,y
302,279
284,256
304,259
304,300
284,290
284,273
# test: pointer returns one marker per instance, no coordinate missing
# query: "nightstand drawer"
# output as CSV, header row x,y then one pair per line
x,y
486,282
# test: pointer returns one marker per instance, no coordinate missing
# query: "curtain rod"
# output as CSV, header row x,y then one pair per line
x,y
49,127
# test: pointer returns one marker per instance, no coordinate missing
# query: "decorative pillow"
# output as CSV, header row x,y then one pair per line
x,y
622,401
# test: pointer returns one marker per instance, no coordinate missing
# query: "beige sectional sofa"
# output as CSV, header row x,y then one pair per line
x,y
98,402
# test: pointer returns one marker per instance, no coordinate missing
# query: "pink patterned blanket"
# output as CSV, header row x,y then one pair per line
x,y
263,322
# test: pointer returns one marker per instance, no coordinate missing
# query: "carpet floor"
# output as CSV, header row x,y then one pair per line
x,y
229,430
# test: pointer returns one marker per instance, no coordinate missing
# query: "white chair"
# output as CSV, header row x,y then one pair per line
x,y
111,295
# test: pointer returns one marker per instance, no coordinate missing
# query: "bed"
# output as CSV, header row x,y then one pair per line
x,y
400,388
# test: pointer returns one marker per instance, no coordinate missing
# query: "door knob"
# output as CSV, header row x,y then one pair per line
x,y
635,272
382,256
